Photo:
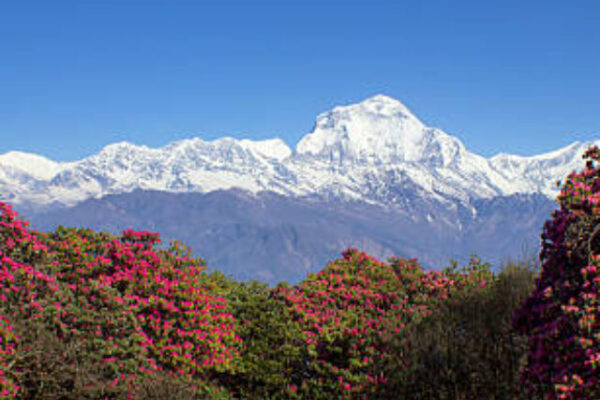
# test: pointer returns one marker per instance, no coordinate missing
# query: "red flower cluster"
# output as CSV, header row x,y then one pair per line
x,y
23,288
562,316
351,311
136,308
181,327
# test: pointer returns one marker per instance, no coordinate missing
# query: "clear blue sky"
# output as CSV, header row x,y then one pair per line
x,y
504,76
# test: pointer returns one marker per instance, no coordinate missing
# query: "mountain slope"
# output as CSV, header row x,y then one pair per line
x,y
273,238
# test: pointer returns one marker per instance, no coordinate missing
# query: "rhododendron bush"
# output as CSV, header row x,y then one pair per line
x,y
352,311
23,290
136,310
177,323
562,316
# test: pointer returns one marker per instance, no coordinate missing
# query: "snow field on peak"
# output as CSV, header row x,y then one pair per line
x,y
377,129
36,166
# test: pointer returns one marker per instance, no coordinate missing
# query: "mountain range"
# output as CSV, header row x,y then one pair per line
x,y
370,175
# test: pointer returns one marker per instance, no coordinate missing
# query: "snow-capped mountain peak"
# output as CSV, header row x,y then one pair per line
x,y
377,130
375,151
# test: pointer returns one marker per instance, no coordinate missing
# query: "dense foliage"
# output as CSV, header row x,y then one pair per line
x,y
562,316
351,313
274,352
128,309
467,348
89,315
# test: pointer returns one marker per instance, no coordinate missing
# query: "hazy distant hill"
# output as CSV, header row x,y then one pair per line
x,y
273,238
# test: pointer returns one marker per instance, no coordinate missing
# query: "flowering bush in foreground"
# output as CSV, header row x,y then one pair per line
x,y
133,310
179,325
352,311
24,291
562,316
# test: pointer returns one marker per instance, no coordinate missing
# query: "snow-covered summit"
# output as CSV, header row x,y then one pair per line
x,y
377,130
383,105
